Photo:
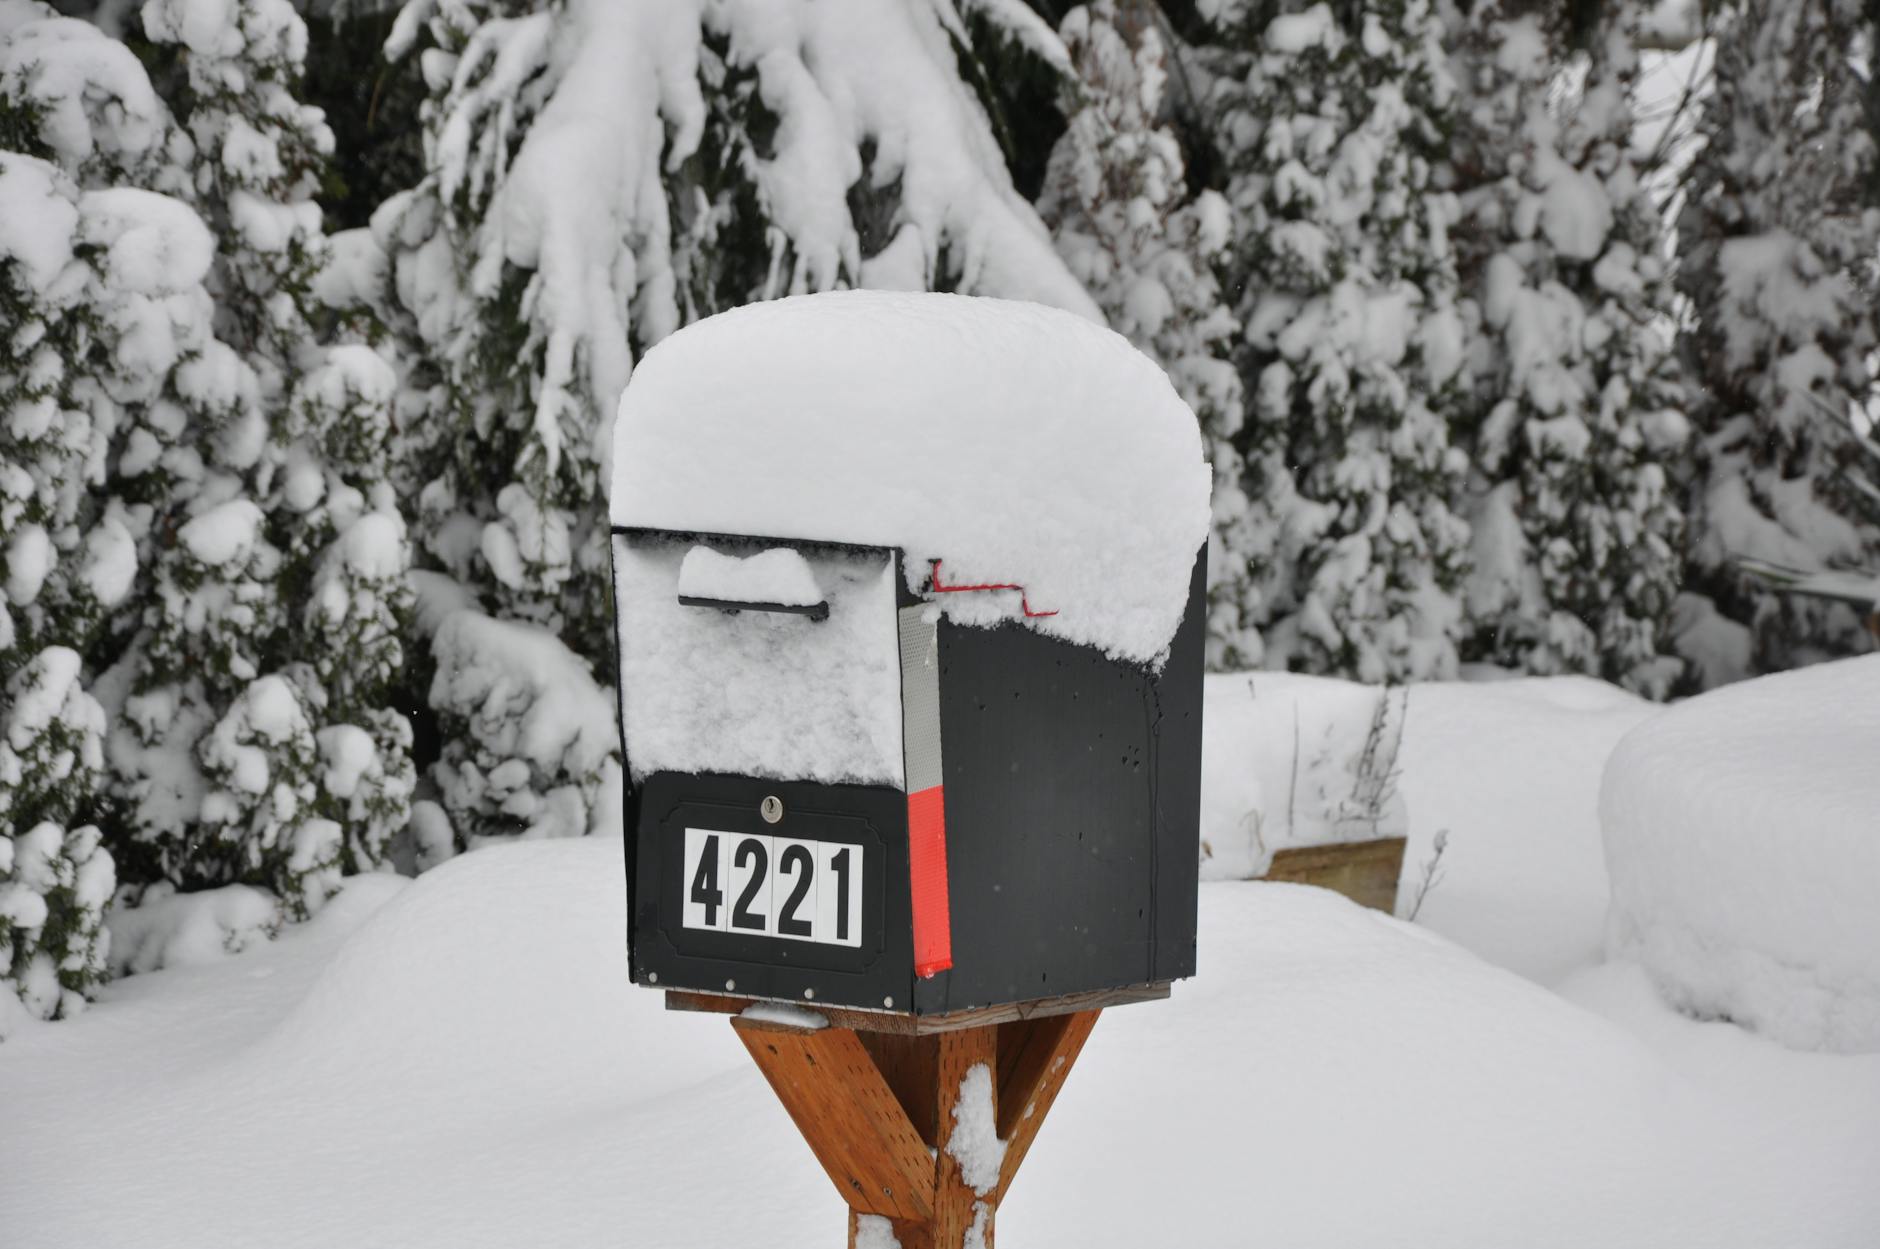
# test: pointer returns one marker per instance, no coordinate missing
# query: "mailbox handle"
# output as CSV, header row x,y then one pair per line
x,y
815,611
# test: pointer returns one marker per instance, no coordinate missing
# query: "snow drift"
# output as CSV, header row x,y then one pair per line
x,y
1745,856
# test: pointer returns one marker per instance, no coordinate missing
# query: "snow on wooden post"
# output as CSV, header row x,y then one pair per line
x,y
910,595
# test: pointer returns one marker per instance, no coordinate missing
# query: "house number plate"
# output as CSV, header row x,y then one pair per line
x,y
783,887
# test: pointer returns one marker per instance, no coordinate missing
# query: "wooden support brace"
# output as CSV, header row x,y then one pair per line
x,y
848,1114
1035,1058
879,1110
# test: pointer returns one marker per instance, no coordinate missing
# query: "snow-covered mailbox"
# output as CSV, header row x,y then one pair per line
x,y
910,604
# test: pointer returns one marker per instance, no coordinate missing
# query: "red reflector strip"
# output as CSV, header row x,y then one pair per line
x,y
927,878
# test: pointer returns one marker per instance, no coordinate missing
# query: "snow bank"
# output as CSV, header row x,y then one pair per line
x,y
1745,854
171,929
1018,444
469,1066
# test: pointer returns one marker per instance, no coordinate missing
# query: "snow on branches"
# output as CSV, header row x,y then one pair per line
x,y
1578,402
1778,234
1352,343
204,503
55,878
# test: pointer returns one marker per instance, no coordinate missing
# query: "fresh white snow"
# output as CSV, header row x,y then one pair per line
x,y
460,1061
170,929
759,693
1741,835
786,1015
1018,444
974,1141
779,575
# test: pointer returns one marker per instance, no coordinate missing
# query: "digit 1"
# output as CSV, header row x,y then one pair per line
x,y
840,865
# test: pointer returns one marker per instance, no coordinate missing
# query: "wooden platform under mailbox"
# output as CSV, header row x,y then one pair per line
x,y
924,1025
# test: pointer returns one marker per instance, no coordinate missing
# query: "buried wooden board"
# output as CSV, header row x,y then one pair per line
x,y
1364,871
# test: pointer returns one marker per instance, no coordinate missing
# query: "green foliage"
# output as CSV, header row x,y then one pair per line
x,y
371,105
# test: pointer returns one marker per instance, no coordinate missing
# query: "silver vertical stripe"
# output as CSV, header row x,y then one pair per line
x,y
920,697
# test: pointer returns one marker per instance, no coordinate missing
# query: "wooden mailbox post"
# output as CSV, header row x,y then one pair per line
x,y
912,831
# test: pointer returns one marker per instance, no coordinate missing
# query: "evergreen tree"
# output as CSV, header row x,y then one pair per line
x,y
92,356
1352,342
59,570
1577,533
272,644
248,492
46,440
1775,236
260,155
55,878
1121,215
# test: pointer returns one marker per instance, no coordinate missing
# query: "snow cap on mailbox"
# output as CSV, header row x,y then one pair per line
x,y
1014,444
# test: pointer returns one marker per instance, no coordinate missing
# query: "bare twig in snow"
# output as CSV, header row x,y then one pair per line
x,y
1432,872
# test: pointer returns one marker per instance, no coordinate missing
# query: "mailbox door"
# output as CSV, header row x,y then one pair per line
x,y
709,684
736,673
811,906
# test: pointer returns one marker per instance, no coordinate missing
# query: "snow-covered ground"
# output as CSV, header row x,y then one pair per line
x,y
1741,835
459,1061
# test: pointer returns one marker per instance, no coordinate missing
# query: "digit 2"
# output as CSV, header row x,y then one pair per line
x,y
788,924
741,915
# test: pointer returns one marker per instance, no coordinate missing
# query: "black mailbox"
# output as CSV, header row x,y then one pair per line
x,y
855,778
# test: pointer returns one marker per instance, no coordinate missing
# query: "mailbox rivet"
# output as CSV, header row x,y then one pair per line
x,y
887,1001
652,977
731,984
810,993
772,809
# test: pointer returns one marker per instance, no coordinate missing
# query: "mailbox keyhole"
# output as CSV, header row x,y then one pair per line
x,y
771,809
